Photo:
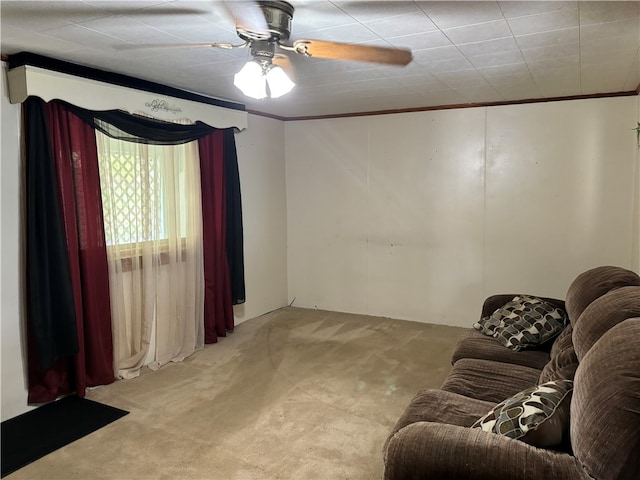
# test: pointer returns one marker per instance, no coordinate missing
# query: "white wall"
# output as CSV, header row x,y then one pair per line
x,y
262,181
13,387
565,172
421,216
382,213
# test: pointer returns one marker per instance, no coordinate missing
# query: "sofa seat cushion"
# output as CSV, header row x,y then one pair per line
x,y
435,405
475,344
488,380
430,405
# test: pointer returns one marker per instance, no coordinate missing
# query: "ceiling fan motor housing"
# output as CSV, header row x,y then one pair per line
x,y
278,15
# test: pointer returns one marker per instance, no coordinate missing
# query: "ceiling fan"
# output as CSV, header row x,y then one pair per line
x,y
267,23
265,28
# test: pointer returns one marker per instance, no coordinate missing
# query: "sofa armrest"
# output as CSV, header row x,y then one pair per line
x,y
426,450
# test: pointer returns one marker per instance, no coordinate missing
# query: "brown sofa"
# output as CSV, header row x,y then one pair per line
x,y
599,350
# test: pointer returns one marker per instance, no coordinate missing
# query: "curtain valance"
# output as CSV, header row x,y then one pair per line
x,y
139,129
89,92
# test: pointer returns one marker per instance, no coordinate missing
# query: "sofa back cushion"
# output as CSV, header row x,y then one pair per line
x,y
563,361
605,408
594,283
602,314
562,342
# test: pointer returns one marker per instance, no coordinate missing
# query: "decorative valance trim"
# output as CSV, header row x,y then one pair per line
x,y
28,80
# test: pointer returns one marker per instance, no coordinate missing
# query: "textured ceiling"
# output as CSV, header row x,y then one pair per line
x,y
464,52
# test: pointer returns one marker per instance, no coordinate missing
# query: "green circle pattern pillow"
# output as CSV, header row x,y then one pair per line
x,y
538,415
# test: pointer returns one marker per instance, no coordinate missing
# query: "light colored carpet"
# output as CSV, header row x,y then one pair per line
x,y
293,394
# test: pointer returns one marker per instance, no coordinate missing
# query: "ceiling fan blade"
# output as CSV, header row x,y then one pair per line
x,y
354,52
140,46
248,16
81,9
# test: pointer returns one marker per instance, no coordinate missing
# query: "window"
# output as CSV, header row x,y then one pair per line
x,y
137,182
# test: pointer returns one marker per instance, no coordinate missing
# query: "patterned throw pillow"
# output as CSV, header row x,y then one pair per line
x,y
522,322
538,415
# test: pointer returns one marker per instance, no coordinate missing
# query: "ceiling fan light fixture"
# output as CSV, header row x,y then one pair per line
x,y
278,81
254,77
251,80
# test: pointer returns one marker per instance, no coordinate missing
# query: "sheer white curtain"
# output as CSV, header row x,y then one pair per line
x,y
153,227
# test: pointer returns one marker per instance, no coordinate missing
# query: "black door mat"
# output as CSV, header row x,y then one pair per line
x,y
34,434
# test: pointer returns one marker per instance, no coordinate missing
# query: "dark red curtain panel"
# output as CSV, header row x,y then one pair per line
x,y
74,152
218,308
